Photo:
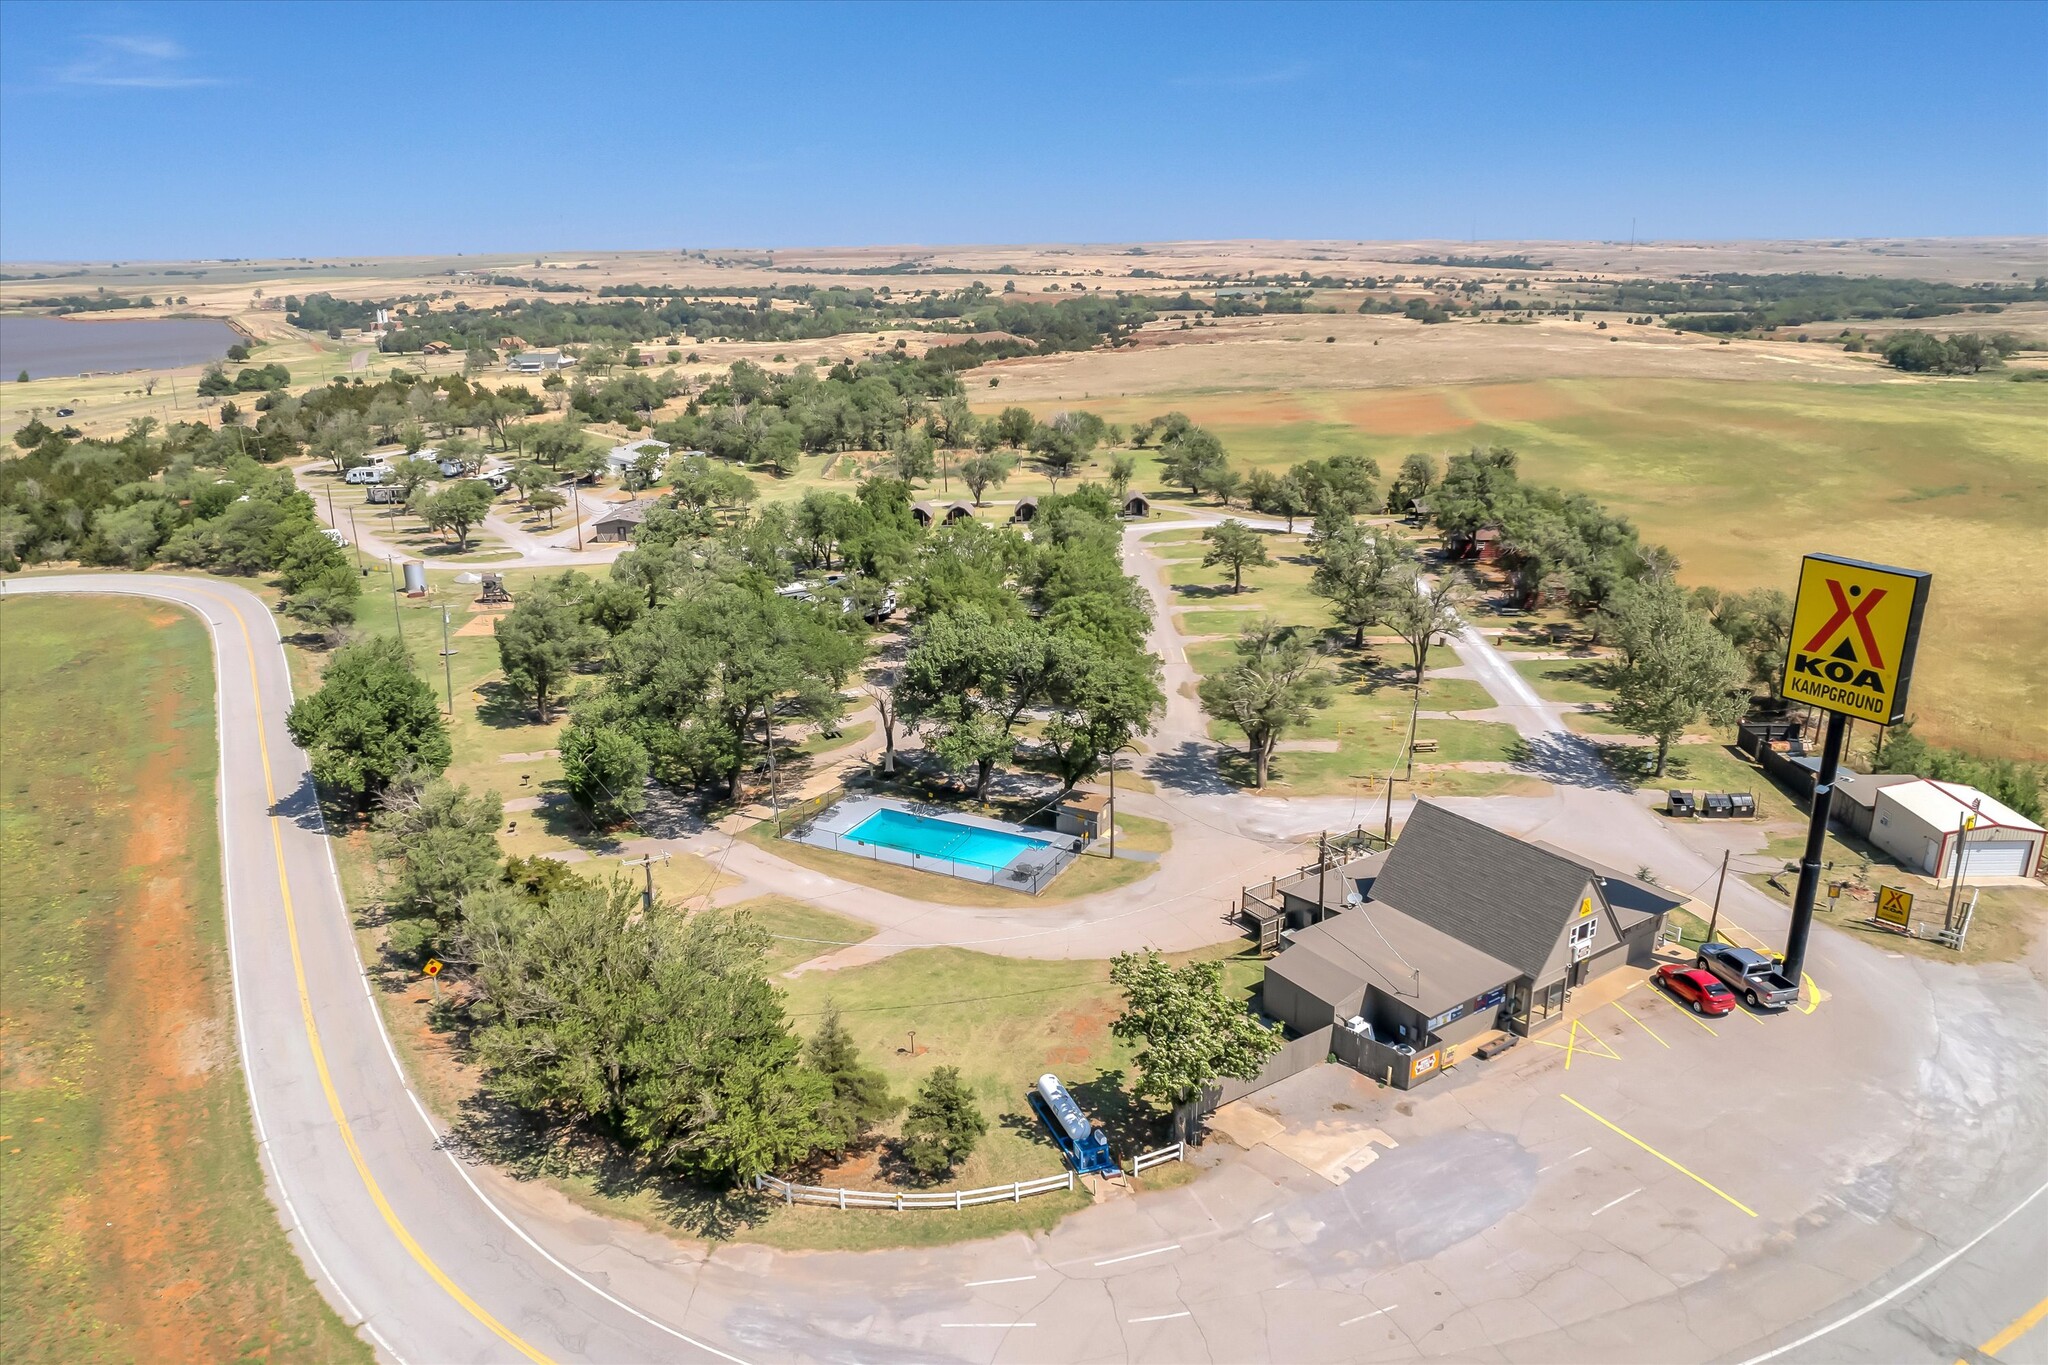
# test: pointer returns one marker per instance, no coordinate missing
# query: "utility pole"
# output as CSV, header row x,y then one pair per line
x,y
447,661
393,573
330,504
576,511
356,541
1715,922
1322,873
1955,883
648,862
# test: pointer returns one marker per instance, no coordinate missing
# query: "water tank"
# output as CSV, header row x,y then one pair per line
x,y
415,578
1064,1111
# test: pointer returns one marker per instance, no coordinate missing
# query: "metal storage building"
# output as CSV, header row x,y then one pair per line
x,y
1921,824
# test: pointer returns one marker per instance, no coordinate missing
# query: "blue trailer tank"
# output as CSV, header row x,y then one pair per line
x,y
1067,1113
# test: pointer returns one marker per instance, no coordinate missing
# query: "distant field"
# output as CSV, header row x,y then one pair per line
x,y
1740,479
134,1224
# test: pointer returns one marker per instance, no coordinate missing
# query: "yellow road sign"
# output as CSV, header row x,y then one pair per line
x,y
433,967
1894,906
1855,627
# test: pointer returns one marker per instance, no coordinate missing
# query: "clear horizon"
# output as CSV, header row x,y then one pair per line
x,y
135,132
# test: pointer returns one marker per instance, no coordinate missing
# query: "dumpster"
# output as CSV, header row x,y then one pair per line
x,y
1716,806
1679,803
1741,805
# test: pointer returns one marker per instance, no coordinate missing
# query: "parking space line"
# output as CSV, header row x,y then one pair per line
x,y
1138,1255
1623,1132
1373,1314
1686,1013
2017,1328
1013,1279
1612,1202
1640,1024
1165,1317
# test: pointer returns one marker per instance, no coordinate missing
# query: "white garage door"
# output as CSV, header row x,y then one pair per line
x,y
1998,858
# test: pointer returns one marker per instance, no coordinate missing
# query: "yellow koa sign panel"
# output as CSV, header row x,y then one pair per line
x,y
1855,627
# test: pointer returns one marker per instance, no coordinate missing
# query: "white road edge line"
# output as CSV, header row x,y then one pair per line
x,y
227,900
1166,1317
1138,1255
1612,1202
1014,1279
1935,1269
1006,1326
363,978
1373,1314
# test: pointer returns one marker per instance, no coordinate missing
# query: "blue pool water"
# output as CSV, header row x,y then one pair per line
x,y
936,838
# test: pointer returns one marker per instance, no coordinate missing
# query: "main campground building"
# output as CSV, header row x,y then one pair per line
x,y
1458,930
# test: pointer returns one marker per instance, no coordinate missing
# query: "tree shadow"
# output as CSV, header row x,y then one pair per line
x,y
1571,761
1192,767
533,1147
503,707
1205,591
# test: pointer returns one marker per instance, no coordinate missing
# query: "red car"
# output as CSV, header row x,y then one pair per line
x,y
1696,987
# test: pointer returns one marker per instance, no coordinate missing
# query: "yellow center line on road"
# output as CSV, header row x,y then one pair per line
x,y
2017,1328
1640,1024
1623,1132
348,1137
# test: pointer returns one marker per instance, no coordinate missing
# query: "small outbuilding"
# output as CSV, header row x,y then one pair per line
x,y
1927,824
621,520
1137,505
538,362
922,511
959,511
1086,813
1025,510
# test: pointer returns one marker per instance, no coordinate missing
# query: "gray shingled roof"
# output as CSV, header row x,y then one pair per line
x,y
1630,898
1424,968
1507,898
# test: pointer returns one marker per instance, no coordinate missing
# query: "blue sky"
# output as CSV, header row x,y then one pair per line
x,y
136,131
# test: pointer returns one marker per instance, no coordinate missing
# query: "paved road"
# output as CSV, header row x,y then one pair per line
x,y
1869,1162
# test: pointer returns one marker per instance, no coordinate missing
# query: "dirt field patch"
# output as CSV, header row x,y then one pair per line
x,y
1425,412
134,1224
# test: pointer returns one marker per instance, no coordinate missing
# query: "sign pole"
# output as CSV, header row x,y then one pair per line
x,y
1816,844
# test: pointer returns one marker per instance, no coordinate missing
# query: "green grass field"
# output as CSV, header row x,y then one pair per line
x,y
1740,479
133,1219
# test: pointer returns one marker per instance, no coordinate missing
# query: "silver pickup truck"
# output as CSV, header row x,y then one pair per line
x,y
1750,975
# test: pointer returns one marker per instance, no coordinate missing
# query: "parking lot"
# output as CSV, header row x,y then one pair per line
x,y
1640,1183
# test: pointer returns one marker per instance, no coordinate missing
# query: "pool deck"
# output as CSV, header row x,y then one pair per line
x,y
1029,871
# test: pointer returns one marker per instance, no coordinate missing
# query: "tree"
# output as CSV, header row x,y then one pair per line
x,y
326,600
1237,547
943,1125
1013,426
1274,686
860,1093
983,472
1757,624
374,721
1191,1033
605,768
1674,666
1059,449
457,509
542,639
662,1027
1419,611
1194,457
547,500
1417,476
911,458
436,844
410,474
1358,573
1122,469
529,477
343,438
965,681
1103,698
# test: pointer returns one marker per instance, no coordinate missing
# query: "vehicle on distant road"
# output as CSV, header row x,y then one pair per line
x,y
1750,975
1701,990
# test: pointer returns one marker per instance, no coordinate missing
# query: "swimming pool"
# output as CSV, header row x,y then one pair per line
x,y
931,837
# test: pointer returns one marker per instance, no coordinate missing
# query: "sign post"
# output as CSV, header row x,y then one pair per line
x,y
1855,627
433,971
1894,906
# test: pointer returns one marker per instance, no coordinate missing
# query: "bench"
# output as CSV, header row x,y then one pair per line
x,y
1498,1046
1425,746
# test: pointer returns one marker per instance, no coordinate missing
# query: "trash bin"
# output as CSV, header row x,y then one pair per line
x,y
1679,803
1715,806
1741,805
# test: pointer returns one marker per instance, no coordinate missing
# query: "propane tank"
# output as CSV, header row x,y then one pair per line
x,y
1067,1112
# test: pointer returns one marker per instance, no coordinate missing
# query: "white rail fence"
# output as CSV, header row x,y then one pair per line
x,y
898,1201
1144,1161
